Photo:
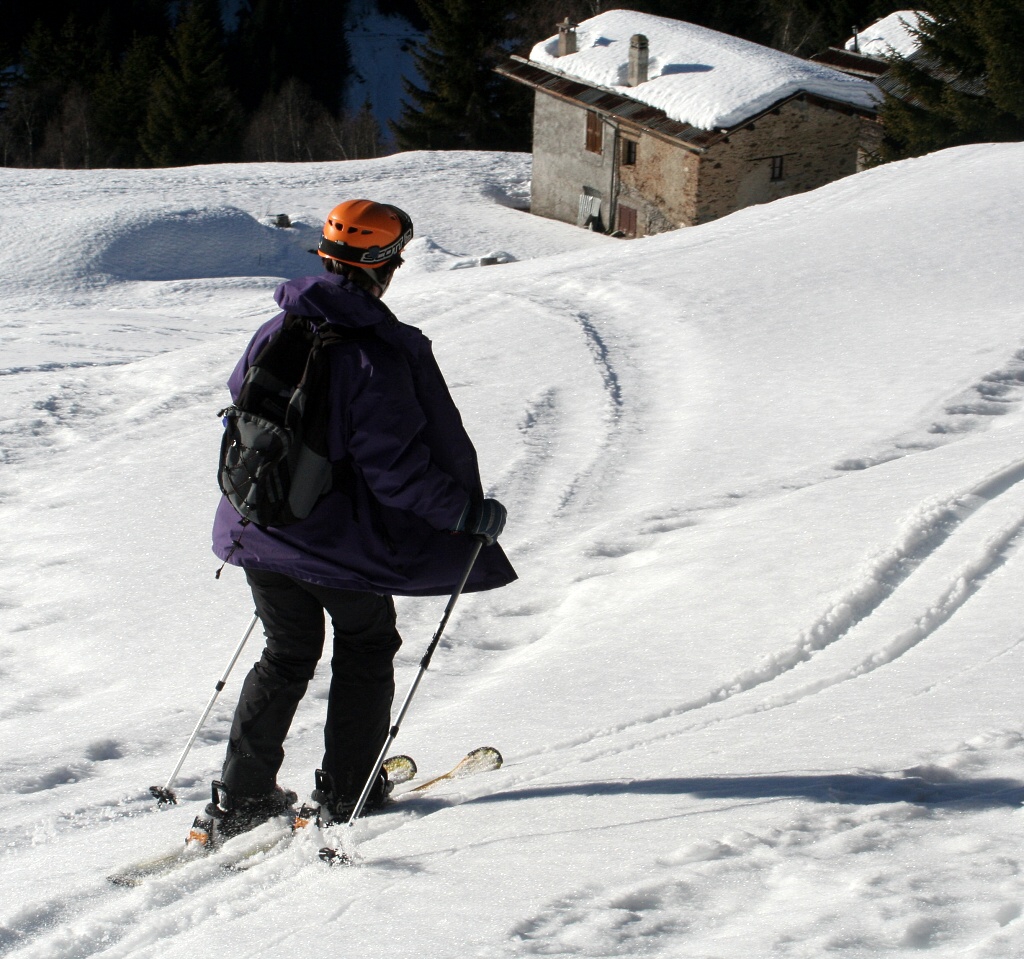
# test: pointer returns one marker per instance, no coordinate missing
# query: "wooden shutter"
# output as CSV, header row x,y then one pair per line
x,y
627,220
595,132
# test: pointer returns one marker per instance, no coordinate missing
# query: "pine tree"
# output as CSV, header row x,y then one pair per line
x,y
806,27
964,85
121,103
52,99
463,103
193,116
61,54
281,40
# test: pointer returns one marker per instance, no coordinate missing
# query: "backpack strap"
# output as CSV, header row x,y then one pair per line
x,y
344,473
327,334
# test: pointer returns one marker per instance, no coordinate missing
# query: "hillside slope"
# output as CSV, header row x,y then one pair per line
x,y
757,686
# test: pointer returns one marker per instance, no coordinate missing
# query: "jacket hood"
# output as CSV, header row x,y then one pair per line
x,y
333,297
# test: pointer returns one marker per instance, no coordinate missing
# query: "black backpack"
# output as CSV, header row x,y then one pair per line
x,y
273,456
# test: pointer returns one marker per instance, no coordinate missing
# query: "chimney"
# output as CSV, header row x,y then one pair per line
x,y
856,40
638,58
566,37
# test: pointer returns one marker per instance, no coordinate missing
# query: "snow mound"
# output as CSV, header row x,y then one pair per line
x,y
426,255
203,243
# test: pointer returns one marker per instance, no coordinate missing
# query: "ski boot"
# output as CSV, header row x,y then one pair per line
x,y
228,815
334,808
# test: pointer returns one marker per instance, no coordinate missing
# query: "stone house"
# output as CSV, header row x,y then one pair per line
x,y
644,124
868,53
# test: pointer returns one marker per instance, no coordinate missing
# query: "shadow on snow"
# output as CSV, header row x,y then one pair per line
x,y
844,788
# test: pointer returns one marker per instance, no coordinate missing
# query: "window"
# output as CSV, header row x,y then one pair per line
x,y
778,168
629,152
595,132
627,220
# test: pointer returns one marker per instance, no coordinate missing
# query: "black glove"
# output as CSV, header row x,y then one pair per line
x,y
486,520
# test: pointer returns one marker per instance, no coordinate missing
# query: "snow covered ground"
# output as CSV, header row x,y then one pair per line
x,y
759,686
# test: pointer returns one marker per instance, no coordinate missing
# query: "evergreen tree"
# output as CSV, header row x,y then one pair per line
x,y
53,99
121,103
278,40
193,116
120,23
403,8
806,27
464,104
741,18
964,85
58,56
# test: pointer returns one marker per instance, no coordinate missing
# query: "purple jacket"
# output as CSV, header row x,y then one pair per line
x,y
414,467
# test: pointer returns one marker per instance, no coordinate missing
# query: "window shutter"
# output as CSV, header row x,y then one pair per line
x,y
627,220
595,133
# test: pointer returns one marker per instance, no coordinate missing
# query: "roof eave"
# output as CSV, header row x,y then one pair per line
x,y
653,120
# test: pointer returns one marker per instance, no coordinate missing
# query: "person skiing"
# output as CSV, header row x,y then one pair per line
x,y
400,519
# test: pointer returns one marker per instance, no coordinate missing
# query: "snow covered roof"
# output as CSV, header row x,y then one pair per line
x,y
890,35
696,76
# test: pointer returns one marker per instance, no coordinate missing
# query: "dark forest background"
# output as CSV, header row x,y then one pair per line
x,y
172,82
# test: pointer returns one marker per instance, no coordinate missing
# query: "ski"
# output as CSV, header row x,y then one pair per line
x,y
201,842
479,760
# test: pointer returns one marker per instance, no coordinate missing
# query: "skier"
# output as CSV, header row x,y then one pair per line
x,y
406,503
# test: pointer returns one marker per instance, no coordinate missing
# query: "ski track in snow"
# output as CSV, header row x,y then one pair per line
x,y
98,920
996,394
923,535
694,880
614,408
550,476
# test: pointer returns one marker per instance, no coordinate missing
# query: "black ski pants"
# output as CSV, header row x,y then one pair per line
x,y
361,692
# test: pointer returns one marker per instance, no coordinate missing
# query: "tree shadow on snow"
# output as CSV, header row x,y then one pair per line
x,y
841,788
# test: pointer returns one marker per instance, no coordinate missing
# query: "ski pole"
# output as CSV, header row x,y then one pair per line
x,y
164,794
424,666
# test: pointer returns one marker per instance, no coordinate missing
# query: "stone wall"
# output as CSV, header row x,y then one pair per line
x,y
562,166
815,146
798,147
662,186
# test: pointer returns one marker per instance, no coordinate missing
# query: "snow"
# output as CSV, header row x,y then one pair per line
x,y
698,76
758,687
891,36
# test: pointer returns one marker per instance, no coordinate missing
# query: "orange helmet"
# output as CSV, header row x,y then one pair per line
x,y
364,233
